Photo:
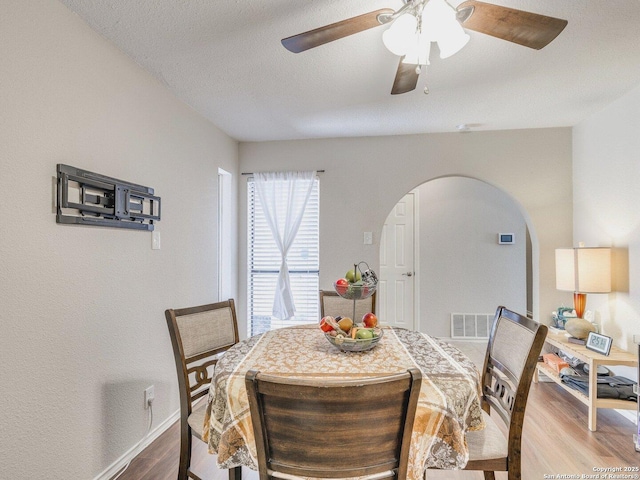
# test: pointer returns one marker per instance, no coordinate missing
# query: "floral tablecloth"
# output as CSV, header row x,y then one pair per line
x,y
448,405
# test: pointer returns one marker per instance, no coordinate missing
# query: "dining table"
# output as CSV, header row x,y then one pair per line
x,y
448,404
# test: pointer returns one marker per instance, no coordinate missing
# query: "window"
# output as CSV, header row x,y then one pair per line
x,y
264,264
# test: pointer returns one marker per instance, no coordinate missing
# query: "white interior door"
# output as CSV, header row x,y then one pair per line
x,y
397,284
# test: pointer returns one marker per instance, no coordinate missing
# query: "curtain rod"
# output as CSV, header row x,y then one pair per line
x,y
252,173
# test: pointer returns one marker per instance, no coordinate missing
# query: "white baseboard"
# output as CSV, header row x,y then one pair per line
x,y
116,466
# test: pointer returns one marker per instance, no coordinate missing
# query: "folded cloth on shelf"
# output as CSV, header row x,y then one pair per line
x,y
613,386
554,361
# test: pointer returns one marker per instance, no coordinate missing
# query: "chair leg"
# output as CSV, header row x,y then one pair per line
x,y
489,476
185,453
235,473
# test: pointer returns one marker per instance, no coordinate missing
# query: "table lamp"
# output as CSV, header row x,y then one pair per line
x,y
583,270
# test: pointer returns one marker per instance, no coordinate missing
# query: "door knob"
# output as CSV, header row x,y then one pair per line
x,y
408,274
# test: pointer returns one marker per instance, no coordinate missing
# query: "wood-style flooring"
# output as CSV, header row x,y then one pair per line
x,y
556,443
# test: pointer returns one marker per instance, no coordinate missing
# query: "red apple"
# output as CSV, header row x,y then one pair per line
x,y
342,284
370,320
325,326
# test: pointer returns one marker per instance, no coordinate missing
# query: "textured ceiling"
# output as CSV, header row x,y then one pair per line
x,y
224,58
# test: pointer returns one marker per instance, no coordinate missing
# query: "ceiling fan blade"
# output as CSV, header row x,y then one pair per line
x,y
406,78
517,26
329,33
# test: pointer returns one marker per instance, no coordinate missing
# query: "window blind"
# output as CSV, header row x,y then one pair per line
x,y
264,264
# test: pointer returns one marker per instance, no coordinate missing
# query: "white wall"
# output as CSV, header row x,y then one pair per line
x,y
365,177
606,186
462,267
82,308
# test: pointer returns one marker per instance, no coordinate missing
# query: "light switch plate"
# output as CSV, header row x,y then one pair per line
x,y
368,238
155,240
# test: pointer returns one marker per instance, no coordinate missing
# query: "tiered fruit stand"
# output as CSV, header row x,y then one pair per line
x,y
359,290
364,285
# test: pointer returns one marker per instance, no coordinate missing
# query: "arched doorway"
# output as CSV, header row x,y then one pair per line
x,y
460,267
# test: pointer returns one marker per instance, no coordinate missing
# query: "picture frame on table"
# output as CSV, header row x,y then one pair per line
x,y
599,343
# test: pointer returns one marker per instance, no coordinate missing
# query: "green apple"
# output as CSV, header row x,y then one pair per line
x,y
353,276
364,333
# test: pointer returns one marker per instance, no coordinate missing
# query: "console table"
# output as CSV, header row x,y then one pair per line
x,y
593,359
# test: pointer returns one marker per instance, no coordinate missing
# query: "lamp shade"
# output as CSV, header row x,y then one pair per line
x,y
583,269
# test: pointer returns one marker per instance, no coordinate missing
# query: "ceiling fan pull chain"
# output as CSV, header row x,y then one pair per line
x,y
418,71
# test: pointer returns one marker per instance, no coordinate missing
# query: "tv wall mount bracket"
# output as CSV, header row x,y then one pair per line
x,y
88,198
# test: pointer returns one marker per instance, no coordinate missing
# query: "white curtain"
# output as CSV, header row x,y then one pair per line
x,y
284,197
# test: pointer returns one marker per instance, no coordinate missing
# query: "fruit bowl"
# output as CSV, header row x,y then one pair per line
x,y
354,345
354,291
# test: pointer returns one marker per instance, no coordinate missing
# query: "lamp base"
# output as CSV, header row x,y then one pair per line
x,y
579,303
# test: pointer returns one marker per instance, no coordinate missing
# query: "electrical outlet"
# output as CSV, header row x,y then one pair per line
x,y
149,395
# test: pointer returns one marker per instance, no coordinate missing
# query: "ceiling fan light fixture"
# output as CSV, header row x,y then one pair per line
x,y
419,51
410,36
452,43
439,18
401,35
413,27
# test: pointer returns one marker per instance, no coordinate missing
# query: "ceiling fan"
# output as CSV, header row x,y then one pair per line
x,y
418,23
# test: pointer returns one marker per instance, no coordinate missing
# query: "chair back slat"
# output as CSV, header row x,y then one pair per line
x,y
333,304
499,391
333,429
204,330
511,344
200,376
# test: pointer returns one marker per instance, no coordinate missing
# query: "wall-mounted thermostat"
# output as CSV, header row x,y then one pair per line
x,y
506,238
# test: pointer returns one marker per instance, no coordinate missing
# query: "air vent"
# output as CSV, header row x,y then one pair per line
x,y
471,325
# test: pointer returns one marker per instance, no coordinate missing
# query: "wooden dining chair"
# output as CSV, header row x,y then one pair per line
x,y
512,353
198,335
333,304
333,428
